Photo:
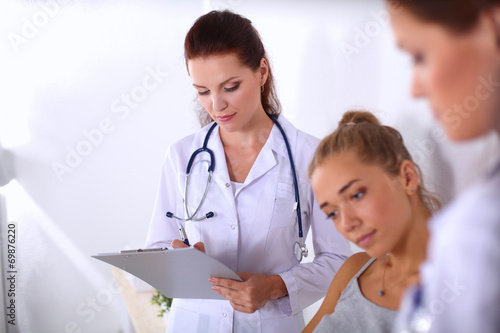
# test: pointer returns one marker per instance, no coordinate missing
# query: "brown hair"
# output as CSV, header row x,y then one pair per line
x,y
223,32
374,144
458,16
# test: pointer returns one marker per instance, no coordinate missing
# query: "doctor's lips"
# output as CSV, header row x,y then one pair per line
x,y
226,117
366,239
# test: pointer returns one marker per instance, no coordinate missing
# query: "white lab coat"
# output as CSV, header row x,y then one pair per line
x,y
253,230
460,289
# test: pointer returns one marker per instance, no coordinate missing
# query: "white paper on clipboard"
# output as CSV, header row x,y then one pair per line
x,y
179,273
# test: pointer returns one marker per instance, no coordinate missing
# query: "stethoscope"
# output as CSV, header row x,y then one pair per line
x,y
299,248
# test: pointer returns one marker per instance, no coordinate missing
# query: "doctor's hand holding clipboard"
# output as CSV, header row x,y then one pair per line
x,y
237,189
247,296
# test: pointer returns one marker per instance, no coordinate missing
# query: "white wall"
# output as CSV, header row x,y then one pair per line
x,y
67,69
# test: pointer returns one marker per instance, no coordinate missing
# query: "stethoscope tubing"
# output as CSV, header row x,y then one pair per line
x,y
294,174
211,167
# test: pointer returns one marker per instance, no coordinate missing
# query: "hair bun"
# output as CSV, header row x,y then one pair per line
x,y
356,117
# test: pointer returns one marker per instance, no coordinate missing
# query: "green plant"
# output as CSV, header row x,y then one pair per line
x,y
162,301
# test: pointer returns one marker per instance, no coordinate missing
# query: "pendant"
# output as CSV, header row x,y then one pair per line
x,y
381,293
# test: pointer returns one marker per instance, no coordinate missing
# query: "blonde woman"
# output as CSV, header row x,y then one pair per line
x,y
366,182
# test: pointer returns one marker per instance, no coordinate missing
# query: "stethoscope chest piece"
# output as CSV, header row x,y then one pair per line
x,y
300,251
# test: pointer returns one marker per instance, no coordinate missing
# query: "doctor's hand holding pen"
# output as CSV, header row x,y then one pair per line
x,y
177,244
247,296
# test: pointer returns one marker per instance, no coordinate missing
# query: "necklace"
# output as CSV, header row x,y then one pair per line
x,y
382,291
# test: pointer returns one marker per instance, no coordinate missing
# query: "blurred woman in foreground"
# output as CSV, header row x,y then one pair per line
x,y
456,50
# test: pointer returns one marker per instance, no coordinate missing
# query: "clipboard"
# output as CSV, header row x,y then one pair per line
x,y
178,273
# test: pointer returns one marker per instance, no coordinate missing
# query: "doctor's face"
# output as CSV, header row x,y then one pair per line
x,y
229,91
457,72
367,206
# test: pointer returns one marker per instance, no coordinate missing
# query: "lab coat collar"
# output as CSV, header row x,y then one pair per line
x,y
266,160
275,146
215,144
276,140
221,174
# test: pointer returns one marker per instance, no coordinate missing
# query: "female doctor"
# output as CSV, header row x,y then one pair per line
x,y
247,217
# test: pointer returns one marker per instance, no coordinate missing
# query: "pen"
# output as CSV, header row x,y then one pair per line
x,y
183,235
145,250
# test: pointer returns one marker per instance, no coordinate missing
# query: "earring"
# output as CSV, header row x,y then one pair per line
x,y
412,190
262,88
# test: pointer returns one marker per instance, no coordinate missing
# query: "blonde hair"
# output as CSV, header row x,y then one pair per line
x,y
361,132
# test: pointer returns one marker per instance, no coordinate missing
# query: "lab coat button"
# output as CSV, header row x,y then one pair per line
x,y
224,314
227,184
233,226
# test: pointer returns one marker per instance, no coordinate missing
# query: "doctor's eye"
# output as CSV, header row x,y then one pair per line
x,y
233,88
418,58
333,215
202,93
358,195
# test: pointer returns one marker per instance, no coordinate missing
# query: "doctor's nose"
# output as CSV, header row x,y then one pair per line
x,y
218,103
417,86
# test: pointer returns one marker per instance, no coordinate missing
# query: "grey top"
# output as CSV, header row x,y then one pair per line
x,y
355,313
